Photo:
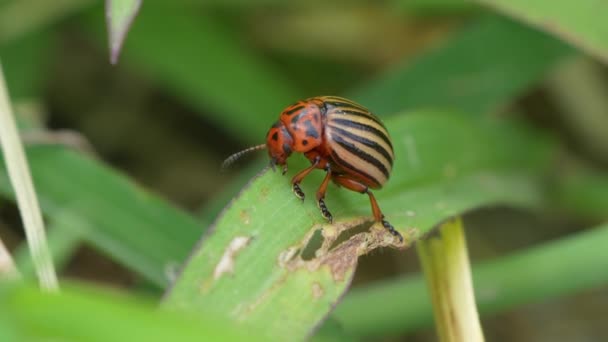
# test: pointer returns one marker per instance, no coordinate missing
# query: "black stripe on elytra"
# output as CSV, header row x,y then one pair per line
x,y
361,154
293,110
369,143
339,100
343,163
363,127
339,105
362,114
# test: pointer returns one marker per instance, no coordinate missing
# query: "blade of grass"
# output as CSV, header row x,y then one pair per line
x,y
524,277
480,69
584,192
579,87
25,63
581,23
85,313
21,180
119,16
111,212
260,240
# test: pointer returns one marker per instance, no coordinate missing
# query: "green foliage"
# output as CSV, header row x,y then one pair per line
x,y
580,23
524,277
457,149
460,75
110,212
288,295
82,313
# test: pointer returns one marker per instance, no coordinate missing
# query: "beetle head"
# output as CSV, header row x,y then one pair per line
x,y
279,143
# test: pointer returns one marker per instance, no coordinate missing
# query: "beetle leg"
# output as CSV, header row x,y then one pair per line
x,y
295,181
362,188
321,196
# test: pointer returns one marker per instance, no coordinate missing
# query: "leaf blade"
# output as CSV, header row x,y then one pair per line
x,y
278,225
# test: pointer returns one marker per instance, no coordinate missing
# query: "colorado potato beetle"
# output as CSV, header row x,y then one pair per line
x,y
339,136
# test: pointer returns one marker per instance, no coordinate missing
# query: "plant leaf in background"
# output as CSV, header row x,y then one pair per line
x,y
20,17
256,266
109,211
581,23
480,69
119,15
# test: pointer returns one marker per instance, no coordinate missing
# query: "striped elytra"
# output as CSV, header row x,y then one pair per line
x,y
339,136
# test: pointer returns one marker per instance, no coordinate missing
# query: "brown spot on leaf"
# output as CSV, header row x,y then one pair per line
x,y
317,290
245,217
341,257
264,193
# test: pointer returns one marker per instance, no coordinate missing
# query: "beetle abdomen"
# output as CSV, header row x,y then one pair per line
x,y
358,141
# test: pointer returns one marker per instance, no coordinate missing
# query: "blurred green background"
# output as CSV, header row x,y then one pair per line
x,y
197,81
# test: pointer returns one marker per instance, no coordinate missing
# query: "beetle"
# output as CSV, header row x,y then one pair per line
x,y
339,136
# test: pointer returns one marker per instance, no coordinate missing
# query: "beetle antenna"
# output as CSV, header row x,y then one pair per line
x,y
230,160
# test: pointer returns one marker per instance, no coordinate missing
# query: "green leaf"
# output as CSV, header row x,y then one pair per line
x,y
551,270
85,313
480,69
119,16
256,264
110,212
25,62
585,193
581,23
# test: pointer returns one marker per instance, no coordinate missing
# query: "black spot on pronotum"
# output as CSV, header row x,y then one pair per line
x,y
311,131
304,142
275,136
286,149
296,118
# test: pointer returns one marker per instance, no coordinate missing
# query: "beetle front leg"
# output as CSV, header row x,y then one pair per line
x,y
295,181
321,196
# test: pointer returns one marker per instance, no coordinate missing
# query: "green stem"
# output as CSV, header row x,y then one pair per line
x,y
21,180
447,271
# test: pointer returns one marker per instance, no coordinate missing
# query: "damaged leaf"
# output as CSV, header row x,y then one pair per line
x,y
296,267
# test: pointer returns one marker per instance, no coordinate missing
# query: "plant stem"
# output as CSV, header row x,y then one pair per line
x,y
447,270
21,180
